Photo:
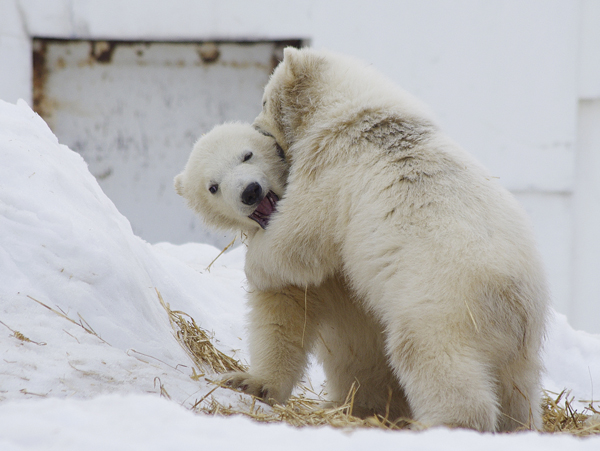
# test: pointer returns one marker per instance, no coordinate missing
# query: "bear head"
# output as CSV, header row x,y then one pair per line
x,y
290,97
234,177
316,89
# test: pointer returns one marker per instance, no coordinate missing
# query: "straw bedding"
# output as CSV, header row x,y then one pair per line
x,y
306,409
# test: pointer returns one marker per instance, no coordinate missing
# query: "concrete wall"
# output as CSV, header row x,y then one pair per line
x,y
516,82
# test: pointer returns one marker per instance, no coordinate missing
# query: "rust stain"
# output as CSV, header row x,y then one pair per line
x,y
102,51
40,75
245,65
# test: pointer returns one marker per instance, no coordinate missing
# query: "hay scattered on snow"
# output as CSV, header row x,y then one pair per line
x,y
196,342
559,415
299,411
81,323
19,336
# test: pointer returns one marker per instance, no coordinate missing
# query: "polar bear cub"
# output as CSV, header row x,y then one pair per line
x,y
234,179
428,242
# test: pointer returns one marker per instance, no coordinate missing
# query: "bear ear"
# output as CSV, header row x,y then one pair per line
x,y
301,64
292,60
179,184
289,53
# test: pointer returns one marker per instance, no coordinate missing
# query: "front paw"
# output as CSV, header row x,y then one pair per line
x,y
255,386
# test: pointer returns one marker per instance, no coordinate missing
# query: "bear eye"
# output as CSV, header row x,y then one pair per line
x,y
280,152
213,188
247,156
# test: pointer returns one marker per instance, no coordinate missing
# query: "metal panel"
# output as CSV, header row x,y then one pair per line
x,y
134,110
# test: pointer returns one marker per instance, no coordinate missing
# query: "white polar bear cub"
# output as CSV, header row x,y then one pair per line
x,y
233,179
433,247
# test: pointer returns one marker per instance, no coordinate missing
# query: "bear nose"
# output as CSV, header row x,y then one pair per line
x,y
252,194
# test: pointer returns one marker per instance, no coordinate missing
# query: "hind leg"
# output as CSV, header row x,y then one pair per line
x,y
447,381
365,378
351,348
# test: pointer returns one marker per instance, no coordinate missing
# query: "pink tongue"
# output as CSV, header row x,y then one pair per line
x,y
265,207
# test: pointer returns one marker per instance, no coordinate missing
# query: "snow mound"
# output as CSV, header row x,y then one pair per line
x,y
64,244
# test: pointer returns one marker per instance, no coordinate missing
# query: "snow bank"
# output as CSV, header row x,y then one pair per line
x,y
63,244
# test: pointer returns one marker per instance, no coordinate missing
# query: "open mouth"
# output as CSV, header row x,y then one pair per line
x,y
262,214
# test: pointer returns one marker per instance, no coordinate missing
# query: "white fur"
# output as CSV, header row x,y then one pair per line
x,y
217,159
439,254
289,322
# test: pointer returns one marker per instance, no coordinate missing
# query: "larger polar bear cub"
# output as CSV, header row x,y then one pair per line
x,y
233,179
430,244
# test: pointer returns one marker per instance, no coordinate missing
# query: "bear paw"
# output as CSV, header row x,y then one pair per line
x,y
255,386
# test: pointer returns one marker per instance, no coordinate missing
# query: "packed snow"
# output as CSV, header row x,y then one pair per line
x,y
89,354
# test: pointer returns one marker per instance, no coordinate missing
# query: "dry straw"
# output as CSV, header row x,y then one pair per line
x,y
307,409
196,342
561,416
19,336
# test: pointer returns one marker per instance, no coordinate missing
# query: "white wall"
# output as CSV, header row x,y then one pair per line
x,y
584,308
516,82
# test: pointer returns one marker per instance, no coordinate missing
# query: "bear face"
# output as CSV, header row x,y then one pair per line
x,y
234,177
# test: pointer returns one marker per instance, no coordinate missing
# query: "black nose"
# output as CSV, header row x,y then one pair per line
x,y
252,194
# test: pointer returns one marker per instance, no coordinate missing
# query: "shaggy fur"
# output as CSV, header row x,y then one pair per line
x,y
436,251
289,322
